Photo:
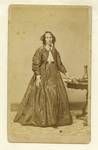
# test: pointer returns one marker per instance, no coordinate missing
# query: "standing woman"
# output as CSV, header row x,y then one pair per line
x,y
45,102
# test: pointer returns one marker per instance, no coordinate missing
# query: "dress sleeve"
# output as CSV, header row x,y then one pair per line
x,y
36,62
60,65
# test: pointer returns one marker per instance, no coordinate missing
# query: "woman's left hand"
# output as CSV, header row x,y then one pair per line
x,y
67,77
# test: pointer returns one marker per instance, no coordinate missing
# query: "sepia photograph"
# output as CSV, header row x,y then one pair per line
x,y
49,74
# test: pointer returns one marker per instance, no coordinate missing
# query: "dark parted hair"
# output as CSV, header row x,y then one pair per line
x,y
43,37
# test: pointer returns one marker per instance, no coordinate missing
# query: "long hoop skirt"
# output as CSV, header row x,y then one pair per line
x,y
46,105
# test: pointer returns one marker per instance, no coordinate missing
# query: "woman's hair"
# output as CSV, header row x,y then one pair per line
x,y
43,37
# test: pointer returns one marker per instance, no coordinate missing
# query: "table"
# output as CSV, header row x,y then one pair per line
x,y
82,84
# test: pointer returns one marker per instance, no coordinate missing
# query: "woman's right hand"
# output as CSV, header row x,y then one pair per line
x,y
38,80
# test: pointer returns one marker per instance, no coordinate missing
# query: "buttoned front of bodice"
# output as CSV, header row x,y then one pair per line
x,y
41,60
47,56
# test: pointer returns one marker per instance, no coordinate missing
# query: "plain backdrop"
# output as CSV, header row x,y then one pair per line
x,y
70,24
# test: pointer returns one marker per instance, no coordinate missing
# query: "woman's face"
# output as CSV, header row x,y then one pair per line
x,y
48,38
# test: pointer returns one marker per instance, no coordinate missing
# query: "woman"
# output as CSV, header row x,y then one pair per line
x,y
45,102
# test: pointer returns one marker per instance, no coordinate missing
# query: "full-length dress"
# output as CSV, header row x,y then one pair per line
x,y
47,104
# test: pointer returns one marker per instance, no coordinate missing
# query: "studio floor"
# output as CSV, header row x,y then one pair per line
x,y
75,133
